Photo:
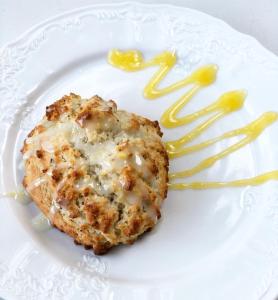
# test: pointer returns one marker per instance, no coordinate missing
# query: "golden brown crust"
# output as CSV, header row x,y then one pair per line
x,y
99,174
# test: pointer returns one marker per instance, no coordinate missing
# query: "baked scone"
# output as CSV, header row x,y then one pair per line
x,y
97,173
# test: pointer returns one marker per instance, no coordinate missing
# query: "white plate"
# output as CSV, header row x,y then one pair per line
x,y
212,244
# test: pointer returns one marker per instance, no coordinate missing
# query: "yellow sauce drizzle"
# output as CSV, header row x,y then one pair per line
x,y
224,105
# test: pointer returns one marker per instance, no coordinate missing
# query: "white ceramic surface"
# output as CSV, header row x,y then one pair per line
x,y
257,18
212,244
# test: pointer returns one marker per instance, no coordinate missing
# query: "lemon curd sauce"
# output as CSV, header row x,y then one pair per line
x,y
227,103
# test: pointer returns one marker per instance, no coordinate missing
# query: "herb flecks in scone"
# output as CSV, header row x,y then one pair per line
x,y
99,174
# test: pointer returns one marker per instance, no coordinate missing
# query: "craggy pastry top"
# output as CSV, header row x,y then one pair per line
x,y
101,170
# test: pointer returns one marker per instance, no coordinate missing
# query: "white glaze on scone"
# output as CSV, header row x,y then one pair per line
x,y
99,174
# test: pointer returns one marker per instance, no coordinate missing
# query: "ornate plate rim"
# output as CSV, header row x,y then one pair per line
x,y
66,14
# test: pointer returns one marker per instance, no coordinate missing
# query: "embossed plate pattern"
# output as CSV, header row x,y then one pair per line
x,y
210,244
